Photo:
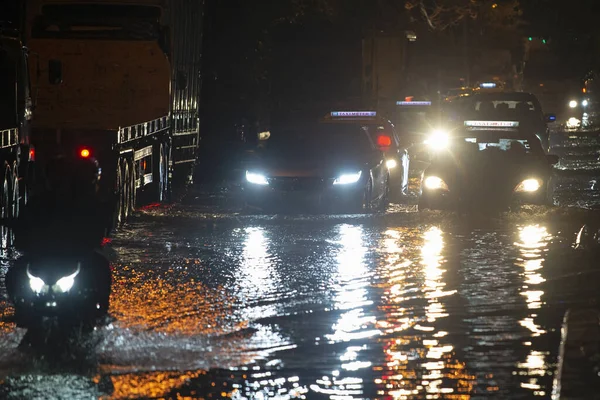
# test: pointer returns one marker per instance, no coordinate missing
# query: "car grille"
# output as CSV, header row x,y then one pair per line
x,y
300,184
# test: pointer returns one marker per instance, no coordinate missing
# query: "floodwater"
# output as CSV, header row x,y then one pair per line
x,y
212,303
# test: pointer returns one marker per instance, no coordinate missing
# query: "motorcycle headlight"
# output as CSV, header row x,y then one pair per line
x,y
347,179
572,104
529,186
256,179
438,140
435,183
36,284
65,283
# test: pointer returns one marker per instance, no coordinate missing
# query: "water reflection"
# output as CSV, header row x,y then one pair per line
x,y
420,360
355,323
257,277
532,245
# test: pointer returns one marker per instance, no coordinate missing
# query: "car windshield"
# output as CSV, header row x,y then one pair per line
x,y
489,109
320,139
8,79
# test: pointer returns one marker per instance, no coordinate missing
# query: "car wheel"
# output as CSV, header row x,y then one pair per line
x,y
549,197
367,201
385,199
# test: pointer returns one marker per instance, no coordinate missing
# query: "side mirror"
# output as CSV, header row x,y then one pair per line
x,y
553,159
550,117
181,80
55,76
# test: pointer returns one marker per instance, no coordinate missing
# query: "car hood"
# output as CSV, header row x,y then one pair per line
x,y
306,166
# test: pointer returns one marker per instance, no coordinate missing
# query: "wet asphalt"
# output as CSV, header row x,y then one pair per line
x,y
212,301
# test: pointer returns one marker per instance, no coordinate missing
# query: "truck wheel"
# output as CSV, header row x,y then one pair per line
x,y
132,189
118,215
126,190
6,193
163,173
16,193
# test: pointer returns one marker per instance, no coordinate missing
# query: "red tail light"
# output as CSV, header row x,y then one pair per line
x,y
84,153
384,141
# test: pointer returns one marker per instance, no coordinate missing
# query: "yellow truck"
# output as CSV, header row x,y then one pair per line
x,y
118,81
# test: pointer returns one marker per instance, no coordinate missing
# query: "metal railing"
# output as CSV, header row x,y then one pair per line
x,y
9,138
133,132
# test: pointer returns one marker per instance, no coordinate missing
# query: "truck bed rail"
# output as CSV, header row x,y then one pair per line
x,y
9,137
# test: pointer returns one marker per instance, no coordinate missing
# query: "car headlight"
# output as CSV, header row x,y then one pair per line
x,y
435,183
65,283
573,122
585,103
36,284
347,179
391,163
257,179
529,185
438,140
572,104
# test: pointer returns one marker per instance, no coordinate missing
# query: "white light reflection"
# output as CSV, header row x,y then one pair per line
x,y
352,281
257,272
352,288
533,241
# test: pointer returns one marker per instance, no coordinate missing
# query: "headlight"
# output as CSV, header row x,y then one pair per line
x,y
391,163
434,182
572,104
65,283
585,103
573,122
257,179
36,284
347,179
529,185
438,140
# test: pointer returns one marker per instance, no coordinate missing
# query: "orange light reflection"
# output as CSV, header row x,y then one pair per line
x,y
420,363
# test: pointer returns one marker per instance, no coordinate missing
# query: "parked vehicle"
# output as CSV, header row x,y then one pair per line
x,y
119,81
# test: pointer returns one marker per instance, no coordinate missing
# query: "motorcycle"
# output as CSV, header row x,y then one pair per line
x,y
57,297
61,286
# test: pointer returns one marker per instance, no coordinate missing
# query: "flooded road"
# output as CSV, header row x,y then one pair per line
x,y
211,303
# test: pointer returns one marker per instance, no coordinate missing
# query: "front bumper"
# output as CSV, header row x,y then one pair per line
x,y
447,200
334,198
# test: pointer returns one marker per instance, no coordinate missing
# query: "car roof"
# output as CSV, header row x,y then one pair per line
x,y
515,96
375,120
